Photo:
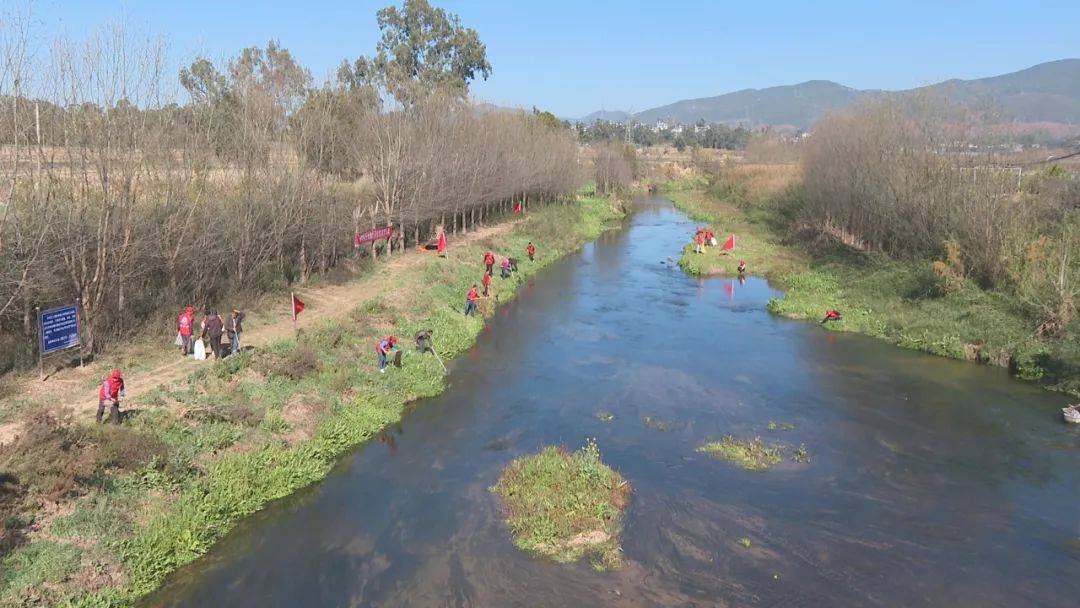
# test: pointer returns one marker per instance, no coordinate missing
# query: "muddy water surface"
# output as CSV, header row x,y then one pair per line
x,y
931,482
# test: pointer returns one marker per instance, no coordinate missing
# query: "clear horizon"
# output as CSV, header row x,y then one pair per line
x,y
577,58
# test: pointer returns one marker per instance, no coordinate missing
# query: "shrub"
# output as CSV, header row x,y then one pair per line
x,y
49,457
295,362
126,449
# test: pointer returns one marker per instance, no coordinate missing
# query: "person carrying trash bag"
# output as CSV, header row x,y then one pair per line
x,y
185,323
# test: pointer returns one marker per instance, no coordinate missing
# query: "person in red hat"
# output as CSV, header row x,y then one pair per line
x,y
184,324
112,390
383,348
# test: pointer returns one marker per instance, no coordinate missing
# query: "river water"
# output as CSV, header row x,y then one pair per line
x,y
931,482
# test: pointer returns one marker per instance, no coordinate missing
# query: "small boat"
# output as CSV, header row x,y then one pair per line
x,y
1072,413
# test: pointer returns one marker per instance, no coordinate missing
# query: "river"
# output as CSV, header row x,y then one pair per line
x,y
931,482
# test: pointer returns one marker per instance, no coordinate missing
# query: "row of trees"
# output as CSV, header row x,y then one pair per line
x,y
883,174
113,193
700,135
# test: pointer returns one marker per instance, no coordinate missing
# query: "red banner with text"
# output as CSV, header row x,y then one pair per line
x,y
375,234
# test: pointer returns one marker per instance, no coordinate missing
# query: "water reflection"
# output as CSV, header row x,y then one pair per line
x,y
931,482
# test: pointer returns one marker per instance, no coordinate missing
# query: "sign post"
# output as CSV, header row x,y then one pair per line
x,y
58,330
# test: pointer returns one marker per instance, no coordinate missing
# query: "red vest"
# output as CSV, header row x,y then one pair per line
x,y
110,388
184,324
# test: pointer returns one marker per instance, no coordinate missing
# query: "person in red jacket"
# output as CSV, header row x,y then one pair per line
x,y
184,325
832,315
531,250
112,390
699,240
486,282
383,348
489,261
470,300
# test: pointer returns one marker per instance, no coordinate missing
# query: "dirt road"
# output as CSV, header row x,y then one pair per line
x,y
77,387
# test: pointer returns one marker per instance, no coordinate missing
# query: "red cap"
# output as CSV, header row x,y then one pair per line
x,y
115,373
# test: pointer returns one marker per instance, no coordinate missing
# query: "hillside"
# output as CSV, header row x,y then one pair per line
x,y
1048,92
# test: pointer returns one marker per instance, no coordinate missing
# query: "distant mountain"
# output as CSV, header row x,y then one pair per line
x,y
798,105
608,115
1048,92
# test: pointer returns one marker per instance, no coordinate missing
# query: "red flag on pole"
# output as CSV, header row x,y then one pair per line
x,y
517,207
297,306
730,244
442,243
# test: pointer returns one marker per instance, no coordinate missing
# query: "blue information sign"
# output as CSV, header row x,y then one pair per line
x,y
59,329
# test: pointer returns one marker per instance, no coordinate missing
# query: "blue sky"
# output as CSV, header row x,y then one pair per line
x,y
576,57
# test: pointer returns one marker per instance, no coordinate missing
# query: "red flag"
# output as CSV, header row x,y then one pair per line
x,y
730,244
442,242
517,207
297,306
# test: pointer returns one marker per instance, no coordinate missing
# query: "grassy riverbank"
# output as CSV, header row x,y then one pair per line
x,y
105,514
897,301
565,506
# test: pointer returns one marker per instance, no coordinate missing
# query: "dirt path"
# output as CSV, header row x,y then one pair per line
x,y
77,387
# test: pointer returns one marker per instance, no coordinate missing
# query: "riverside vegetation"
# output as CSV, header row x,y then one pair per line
x,y
953,263
565,506
136,502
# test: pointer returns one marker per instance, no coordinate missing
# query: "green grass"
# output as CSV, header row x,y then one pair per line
x,y
28,574
565,506
895,300
761,249
750,454
230,443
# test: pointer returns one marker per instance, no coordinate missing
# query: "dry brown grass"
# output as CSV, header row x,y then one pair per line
x,y
764,179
